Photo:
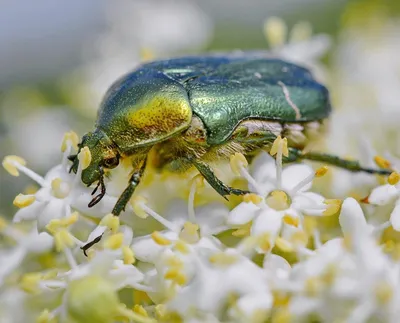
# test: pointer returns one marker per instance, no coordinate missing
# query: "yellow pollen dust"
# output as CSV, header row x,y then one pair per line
x,y
22,200
275,31
140,310
382,162
190,232
111,221
72,138
278,200
137,202
333,207
222,258
280,144
238,161
393,178
384,293
9,163
252,198
128,255
321,171
160,239
291,220
85,157
114,241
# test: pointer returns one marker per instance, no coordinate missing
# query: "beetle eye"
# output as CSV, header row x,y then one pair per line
x,y
111,162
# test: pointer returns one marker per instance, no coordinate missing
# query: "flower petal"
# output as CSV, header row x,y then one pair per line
x,y
30,212
294,174
267,221
243,213
212,216
276,266
263,170
383,194
395,217
352,217
54,209
252,304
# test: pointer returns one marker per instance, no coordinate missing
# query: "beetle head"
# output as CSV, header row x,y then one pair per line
x,y
104,155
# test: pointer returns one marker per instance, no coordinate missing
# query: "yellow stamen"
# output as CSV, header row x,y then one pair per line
x,y
146,54
264,242
329,275
114,241
301,31
136,203
278,200
160,239
190,232
278,144
85,157
252,198
291,220
282,316
384,293
174,261
333,207
22,200
299,238
321,171
238,161
309,225
30,282
275,31
176,275
161,312
280,299
63,239
9,164
128,255
199,180
71,137
44,317
182,247
313,286
140,310
382,162
394,178
284,245
243,231
111,221
3,223
222,258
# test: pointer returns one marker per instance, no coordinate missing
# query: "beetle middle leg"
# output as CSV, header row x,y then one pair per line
x,y
214,181
351,165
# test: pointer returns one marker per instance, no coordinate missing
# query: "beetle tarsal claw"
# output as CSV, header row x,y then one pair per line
x,y
90,244
99,196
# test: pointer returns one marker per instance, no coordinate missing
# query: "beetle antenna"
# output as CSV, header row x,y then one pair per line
x,y
102,186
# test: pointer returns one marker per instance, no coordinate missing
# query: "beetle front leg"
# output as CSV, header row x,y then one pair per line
x,y
351,165
214,181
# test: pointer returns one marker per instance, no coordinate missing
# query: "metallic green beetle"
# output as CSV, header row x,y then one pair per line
x,y
194,110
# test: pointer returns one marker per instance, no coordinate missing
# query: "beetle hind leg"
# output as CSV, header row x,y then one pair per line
x,y
215,182
350,165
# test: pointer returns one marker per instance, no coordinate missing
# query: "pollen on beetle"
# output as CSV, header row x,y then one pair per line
x,y
393,178
10,164
280,145
22,200
114,241
160,239
85,157
237,162
72,138
382,162
321,171
137,203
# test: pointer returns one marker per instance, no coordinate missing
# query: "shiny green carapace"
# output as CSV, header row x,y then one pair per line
x,y
192,111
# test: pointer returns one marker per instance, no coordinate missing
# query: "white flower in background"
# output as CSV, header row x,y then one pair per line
x,y
282,201
299,45
60,191
25,243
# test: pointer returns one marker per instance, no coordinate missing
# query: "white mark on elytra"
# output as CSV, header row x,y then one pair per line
x,y
257,75
289,100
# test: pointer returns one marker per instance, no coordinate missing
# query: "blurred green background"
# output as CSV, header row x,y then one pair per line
x,y
57,58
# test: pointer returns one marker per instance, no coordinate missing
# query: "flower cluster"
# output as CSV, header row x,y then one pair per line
x,y
180,253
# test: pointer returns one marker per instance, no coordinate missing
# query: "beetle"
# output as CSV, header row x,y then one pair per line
x,y
192,110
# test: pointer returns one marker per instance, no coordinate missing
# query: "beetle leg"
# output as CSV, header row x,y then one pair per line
x,y
214,181
129,190
351,165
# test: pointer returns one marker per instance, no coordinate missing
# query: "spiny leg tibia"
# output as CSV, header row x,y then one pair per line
x,y
122,201
351,165
214,181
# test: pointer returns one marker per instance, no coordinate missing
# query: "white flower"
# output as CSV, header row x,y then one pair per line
x,y
282,202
